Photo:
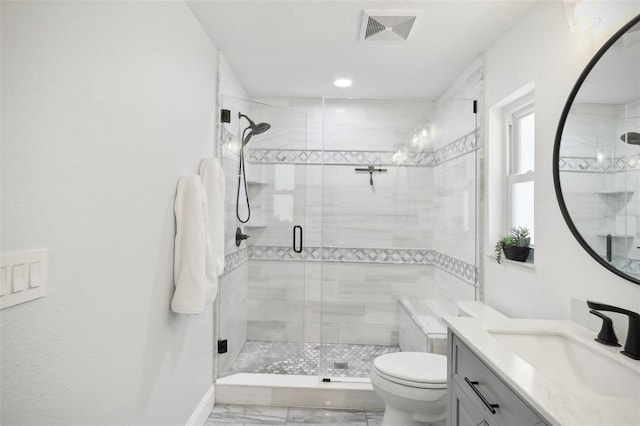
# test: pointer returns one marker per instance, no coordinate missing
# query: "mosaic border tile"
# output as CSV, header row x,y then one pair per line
x,y
590,164
353,158
465,145
235,259
459,268
344,254
284,253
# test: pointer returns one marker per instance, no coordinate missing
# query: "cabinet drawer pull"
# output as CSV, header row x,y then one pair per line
x,y
491,407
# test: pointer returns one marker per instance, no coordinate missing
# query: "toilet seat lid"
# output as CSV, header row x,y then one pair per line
x,y
417,367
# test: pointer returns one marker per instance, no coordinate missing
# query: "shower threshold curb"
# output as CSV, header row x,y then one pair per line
x,y
296,391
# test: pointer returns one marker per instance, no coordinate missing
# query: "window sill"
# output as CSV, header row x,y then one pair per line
x,y
506,262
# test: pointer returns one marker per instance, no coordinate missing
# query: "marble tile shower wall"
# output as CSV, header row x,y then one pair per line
x,y
231,303
228,156
601,179
232,313
338,209
229,163
455,194
338,206
455,207
332,302
412,207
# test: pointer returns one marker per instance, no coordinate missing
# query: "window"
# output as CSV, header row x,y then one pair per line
x,y
520,168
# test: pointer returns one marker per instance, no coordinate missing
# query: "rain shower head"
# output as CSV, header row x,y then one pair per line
x,y
254,129
632,138
260,128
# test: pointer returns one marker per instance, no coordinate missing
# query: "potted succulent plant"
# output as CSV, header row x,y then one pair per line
x,y
515,245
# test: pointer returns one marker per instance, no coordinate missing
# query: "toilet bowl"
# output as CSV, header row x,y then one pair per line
x,y
413,386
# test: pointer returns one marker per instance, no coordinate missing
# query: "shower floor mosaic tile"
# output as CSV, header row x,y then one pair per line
x,y
338,359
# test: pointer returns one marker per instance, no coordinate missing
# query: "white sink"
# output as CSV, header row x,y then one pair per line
x,y
571,363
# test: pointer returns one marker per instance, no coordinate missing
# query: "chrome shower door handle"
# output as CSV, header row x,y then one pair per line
x,y
298,248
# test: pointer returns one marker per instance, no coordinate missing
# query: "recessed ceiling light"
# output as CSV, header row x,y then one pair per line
x,y
342,82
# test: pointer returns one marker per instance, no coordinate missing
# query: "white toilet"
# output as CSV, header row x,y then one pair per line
x,y
413,386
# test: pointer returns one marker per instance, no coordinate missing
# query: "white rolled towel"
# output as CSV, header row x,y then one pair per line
x,y
191,247
213,180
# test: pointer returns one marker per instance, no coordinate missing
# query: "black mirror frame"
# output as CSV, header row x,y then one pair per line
x,y
556,149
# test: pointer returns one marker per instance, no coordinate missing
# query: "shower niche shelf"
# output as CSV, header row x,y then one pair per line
x,y
616,204
255,225
256,183
615,193
615,199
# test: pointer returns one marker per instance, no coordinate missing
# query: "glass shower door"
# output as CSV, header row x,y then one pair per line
x,y
260,310
399,225
376,220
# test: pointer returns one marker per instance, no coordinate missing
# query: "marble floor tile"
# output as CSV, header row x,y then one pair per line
x,y
239,423
374,418
247,415
323,416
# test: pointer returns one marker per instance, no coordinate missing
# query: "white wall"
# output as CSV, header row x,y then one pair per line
x,y
104,106
540,49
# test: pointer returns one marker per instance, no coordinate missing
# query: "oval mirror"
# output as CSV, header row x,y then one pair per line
x,y
596,158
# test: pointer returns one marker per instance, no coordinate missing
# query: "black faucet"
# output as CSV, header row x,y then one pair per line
x,y
240,237
632,344
606,336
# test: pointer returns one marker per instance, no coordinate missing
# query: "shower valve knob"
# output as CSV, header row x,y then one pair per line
x,y
240,237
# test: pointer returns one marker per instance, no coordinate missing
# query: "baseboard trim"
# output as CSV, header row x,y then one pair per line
x,y
204,408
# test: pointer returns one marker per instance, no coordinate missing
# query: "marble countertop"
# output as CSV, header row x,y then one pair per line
x,y
558,404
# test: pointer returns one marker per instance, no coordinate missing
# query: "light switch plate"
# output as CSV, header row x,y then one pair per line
x,y
23,276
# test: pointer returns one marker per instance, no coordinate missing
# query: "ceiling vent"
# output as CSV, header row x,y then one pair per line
x,y
389,25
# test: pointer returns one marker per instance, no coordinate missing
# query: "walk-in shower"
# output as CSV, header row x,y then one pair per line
x,y
384,192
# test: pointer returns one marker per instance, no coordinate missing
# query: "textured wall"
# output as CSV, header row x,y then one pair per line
x,y
541,49
104,106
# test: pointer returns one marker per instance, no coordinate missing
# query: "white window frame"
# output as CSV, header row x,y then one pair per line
x,y
513,114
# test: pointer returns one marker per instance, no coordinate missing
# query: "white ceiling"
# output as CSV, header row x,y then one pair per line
x,y
297,48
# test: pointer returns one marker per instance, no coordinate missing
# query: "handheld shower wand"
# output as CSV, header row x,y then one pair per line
x,y
254,129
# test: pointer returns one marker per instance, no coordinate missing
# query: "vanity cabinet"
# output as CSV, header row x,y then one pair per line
x,y
462,411
477,396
